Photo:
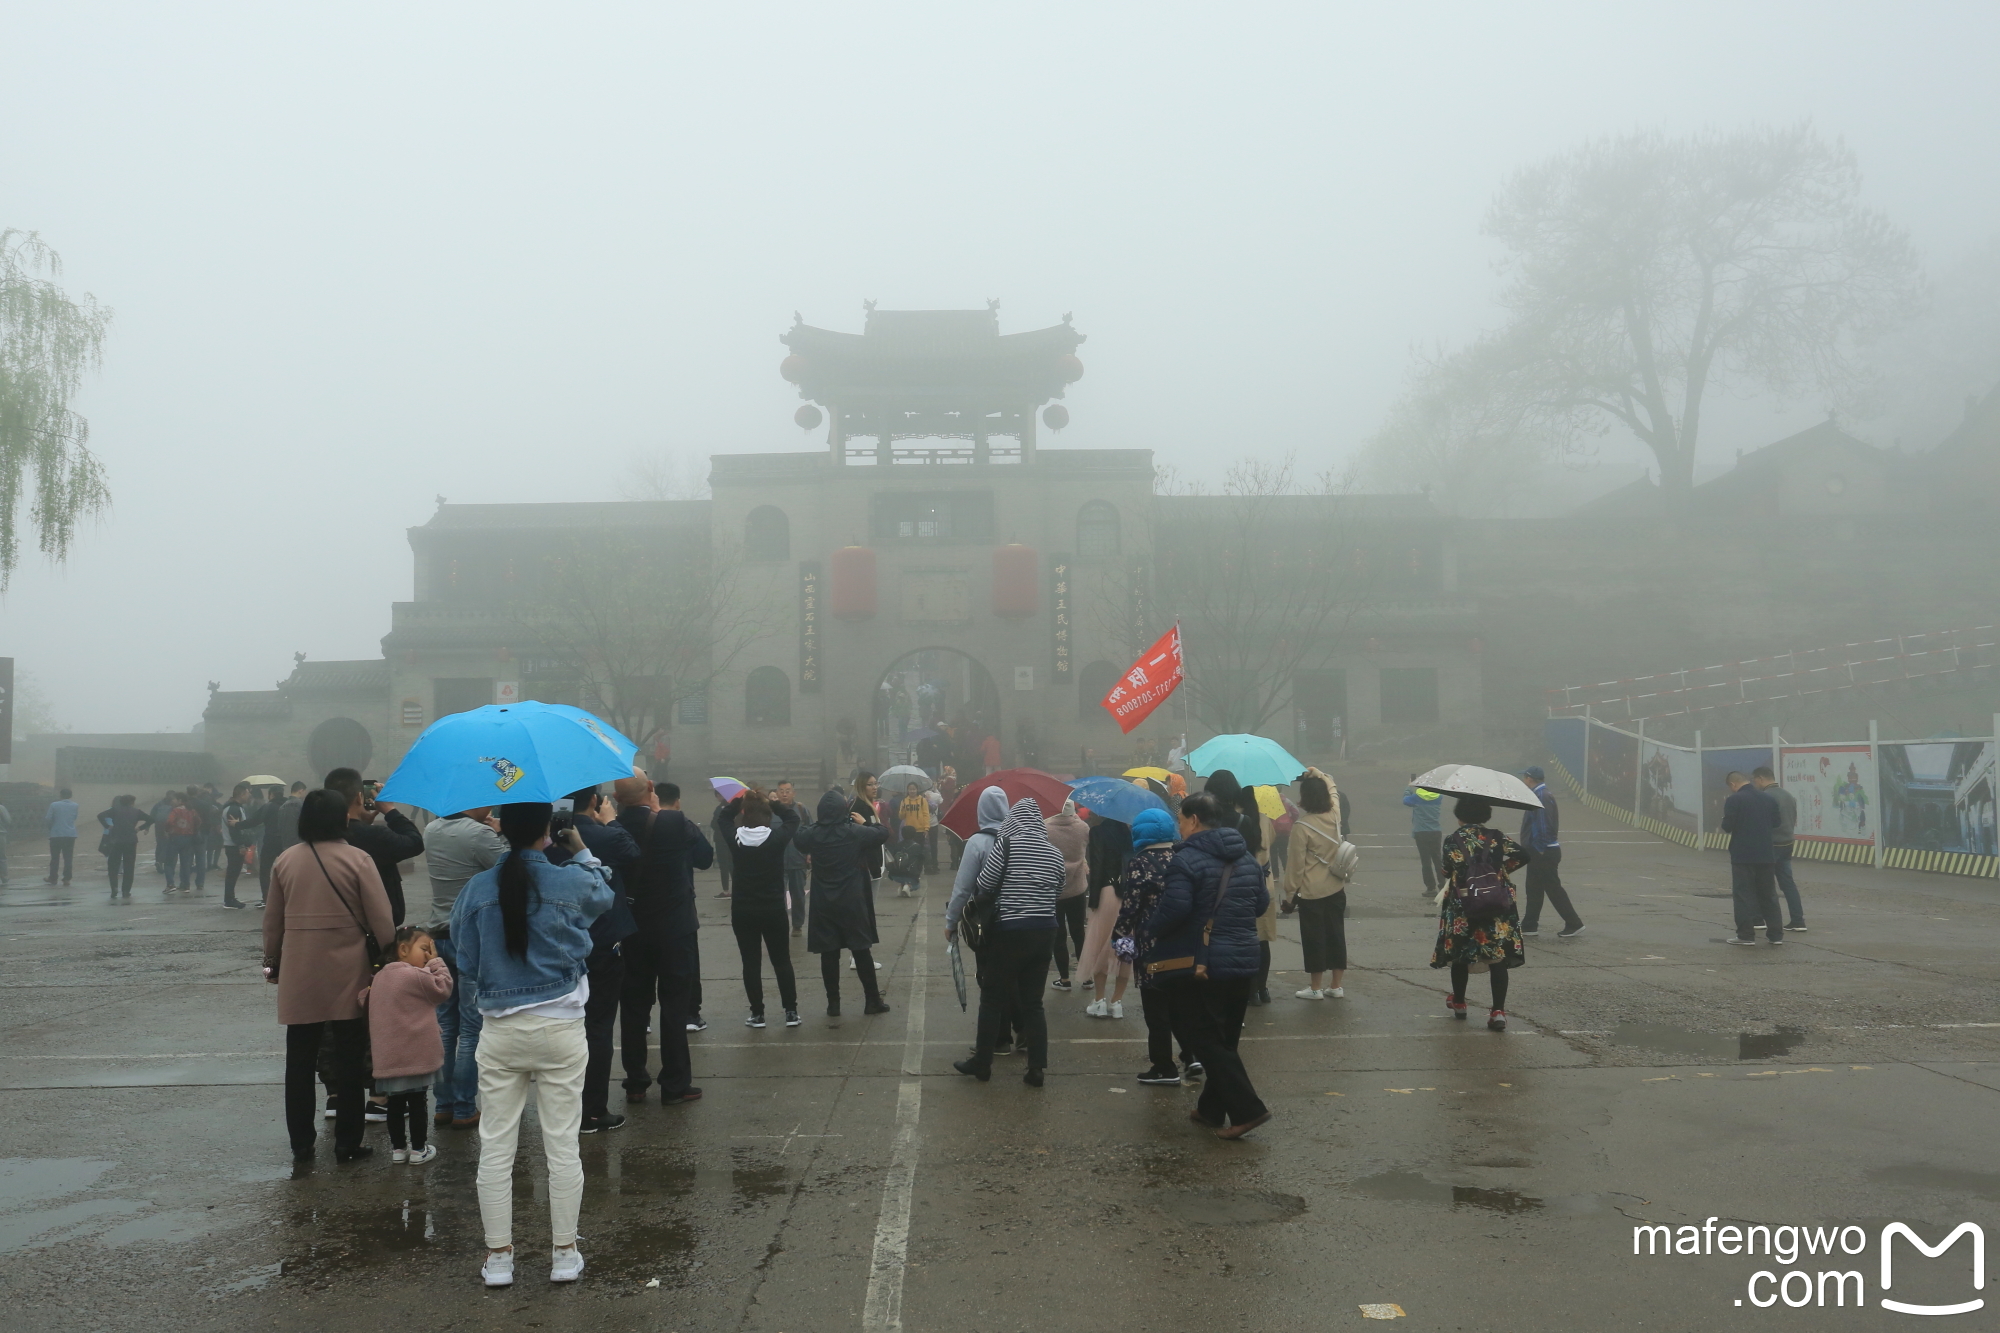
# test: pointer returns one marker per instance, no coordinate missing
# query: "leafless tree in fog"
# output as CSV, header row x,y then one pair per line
x,y
667,476
637,628
1645,271
47,342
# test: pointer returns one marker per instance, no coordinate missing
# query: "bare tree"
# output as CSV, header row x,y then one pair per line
x,y
1646,271
665,476
47,342
638,627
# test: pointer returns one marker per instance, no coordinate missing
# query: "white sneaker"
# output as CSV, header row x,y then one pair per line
x,y
568,1265
1307,994
1118,1009
399,1155
418,1156
498,1270
1337,993
1097,1009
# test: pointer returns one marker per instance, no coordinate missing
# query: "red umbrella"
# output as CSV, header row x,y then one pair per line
x,y
1049,792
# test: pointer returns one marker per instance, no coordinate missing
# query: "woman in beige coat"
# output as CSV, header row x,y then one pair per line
x,y
326,899
1321,895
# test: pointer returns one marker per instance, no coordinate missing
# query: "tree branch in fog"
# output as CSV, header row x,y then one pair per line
x,y
637,629
665,477
47,342
1645,272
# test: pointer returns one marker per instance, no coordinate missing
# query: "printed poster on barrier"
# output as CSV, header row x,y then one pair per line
x,y
1614,765
1716,766
1938,796
1670,785
1835,788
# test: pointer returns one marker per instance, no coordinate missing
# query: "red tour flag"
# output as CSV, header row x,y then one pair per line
x,y
1148,681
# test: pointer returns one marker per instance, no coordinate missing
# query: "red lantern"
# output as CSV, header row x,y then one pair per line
x,y
1055,416
1015,581
853,582
793,368
1070,368
807,417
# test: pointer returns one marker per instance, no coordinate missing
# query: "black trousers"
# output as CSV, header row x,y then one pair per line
x,y
233,871
409,1118
348,1038
1263,978
600,1015
1430,854
1011,969
864,967
1210,1014
61,851
1323,931
666,970
1070,921
119,864
1755,891
265,855
758,933
1545,878
1160,1032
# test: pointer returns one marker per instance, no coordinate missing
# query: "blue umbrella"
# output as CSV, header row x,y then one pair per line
x,y
1114,798
507,753
1257,761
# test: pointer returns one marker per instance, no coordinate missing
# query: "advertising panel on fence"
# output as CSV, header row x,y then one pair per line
x,y
1614,765
1716,766
1835,788
1938,796
1670,785
1565,739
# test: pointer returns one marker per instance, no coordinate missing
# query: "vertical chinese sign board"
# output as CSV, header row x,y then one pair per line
x,y
1059,599
809,659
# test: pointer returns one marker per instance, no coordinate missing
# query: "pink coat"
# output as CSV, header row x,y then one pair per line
x,y
312,931
402,1018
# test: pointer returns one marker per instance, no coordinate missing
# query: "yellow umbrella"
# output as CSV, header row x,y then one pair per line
x,y
1156,774
1269,803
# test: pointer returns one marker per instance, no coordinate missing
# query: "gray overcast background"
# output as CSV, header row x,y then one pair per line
x,y
365,254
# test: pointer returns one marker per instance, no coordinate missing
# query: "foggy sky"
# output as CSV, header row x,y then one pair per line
x,y
366,254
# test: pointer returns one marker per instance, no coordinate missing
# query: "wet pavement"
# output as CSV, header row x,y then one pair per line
x,y
1474,1179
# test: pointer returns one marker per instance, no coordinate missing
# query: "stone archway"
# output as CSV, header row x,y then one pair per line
x,y
339,742
924,692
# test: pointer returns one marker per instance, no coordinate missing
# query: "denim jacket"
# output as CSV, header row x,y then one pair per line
x,y
566,900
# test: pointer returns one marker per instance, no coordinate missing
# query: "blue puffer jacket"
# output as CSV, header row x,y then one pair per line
x,y
1189,898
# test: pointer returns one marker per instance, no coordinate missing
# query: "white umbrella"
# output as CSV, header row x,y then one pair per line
x,y
895,779
1486,783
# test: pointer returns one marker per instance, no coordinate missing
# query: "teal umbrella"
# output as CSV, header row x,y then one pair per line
x,y
1257,761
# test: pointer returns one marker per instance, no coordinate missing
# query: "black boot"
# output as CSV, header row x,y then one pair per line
x,y
984,1073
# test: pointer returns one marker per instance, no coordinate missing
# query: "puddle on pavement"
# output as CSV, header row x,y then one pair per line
x,y
642,1172
1924,1176
25,1180
1230,1207
1710,1045
1410,1187
341,1240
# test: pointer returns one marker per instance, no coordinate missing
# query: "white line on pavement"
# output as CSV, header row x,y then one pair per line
x,y
882,1311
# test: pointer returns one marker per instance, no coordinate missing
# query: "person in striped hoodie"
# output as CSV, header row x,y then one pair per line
x,y
1021,878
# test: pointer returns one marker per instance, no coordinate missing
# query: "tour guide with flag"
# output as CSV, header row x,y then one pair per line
x,y
1148,682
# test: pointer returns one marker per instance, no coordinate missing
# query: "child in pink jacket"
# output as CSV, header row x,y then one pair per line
x,y
403,1031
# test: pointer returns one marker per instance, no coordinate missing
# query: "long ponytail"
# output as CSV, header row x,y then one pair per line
x,y
524,825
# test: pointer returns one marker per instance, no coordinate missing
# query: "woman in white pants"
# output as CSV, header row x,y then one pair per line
x,y
522,930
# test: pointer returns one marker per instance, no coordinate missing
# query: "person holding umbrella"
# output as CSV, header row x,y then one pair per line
x,y
1479,925
842,904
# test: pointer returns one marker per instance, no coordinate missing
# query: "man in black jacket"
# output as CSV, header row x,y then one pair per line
x,y
388,843
611,843
1751,819
663,956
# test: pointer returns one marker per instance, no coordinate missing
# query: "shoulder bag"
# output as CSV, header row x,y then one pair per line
x,y
375,956
1485,893
1197,962
981,913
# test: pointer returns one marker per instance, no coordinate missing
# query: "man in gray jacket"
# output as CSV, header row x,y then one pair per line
x,y
1781,843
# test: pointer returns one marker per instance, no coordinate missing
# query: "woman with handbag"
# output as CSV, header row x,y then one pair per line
x,y
1316,886
323,922
1204,952
1479,928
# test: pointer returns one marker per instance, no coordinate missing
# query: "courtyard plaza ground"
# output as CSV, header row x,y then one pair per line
x,y
1474,1179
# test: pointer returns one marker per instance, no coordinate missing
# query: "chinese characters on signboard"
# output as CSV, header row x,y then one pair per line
x,y
1059,569
809,663
1147,682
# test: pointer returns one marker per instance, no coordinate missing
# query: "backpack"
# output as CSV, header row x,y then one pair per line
x,y
1485,894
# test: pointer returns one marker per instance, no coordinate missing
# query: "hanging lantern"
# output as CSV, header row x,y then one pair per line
x,y
1055,416
1069,368
1014,581
808,417
852,575
793,368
